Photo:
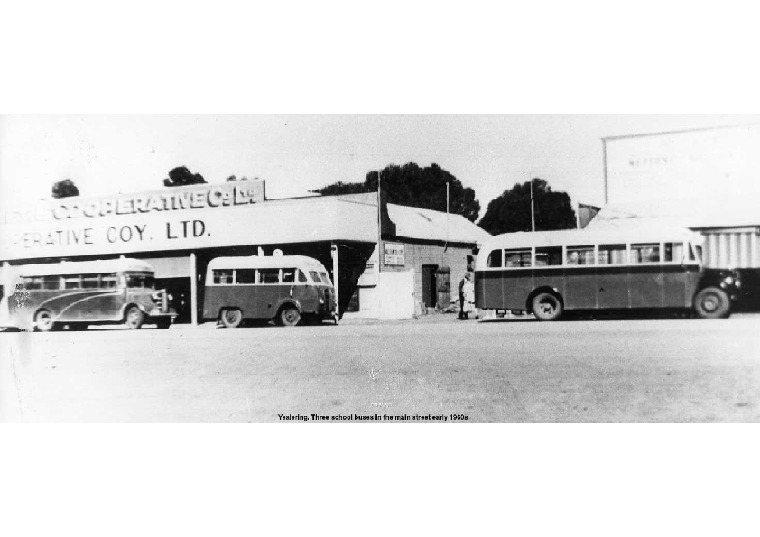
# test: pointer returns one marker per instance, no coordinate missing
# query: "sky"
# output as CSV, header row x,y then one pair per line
x,y
296,153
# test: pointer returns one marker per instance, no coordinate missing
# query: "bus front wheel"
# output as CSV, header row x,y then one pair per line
x,y
134,318
231,318
43,321
547,307
712,303
290,316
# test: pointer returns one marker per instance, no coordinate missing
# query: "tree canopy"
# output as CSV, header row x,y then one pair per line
x,y
510,212
181,176
413,186
64,189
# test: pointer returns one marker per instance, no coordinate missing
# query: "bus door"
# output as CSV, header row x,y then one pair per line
x,y
676,276
612,280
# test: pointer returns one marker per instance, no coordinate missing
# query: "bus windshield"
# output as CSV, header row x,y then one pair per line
x,y
140,281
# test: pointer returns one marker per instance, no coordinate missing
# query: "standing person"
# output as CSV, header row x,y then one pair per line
x,y
468,290
461,295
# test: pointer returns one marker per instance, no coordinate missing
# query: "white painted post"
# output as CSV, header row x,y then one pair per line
x,y
193,291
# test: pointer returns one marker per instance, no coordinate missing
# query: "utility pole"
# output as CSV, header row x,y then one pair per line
x,y
379,223
532,212
448,203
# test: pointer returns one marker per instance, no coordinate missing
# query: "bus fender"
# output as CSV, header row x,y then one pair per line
x,y
542,289
288,302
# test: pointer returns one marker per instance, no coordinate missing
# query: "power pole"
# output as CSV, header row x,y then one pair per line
x,y
532,211
379,223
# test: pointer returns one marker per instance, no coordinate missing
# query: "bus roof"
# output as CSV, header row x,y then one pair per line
x,y
580,237
108,266
265,261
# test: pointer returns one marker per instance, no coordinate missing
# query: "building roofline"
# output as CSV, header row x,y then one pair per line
x,y
681,131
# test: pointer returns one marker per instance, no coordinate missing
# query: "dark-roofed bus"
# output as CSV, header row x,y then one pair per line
x,y
79,294
288,289
547,273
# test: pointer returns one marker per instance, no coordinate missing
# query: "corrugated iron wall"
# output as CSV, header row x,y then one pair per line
x,y
732,248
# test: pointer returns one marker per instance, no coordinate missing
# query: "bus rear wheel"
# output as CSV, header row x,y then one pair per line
x,y
134,318
712,303
231,318
290,316
547,307
43,321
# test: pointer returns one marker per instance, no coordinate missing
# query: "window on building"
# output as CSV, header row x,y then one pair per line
x,y
517,258
495,259
645,253
548,256
223,276
611,254
269,275
580,255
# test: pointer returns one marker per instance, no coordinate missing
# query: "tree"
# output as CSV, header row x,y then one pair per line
x,y
413,186
181,176
510,212
234,178
64,189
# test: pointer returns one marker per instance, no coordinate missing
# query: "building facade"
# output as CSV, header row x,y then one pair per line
x,y
179,230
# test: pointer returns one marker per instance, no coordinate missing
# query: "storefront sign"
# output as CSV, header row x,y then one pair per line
x,y
394,254
168,200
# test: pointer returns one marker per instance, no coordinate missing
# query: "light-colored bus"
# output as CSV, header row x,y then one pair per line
x,y
546,273
288,289
79,294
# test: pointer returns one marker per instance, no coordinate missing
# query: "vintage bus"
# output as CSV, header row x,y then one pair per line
x,y
288,289
546,273
79,294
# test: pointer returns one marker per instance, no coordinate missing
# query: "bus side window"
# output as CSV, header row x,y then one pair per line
x,y
90,281
495,259
33,283
549,256
223,277
517,258
673,252
108,281
269,275
580,255
611,254
645,253
288,275
245,276
72,281
302,277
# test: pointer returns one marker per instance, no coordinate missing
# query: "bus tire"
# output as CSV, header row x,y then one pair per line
x,y
546,306
712,303
231,317
289,316
43,321
134,318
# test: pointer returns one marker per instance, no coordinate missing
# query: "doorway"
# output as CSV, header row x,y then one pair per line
x,y
429,286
